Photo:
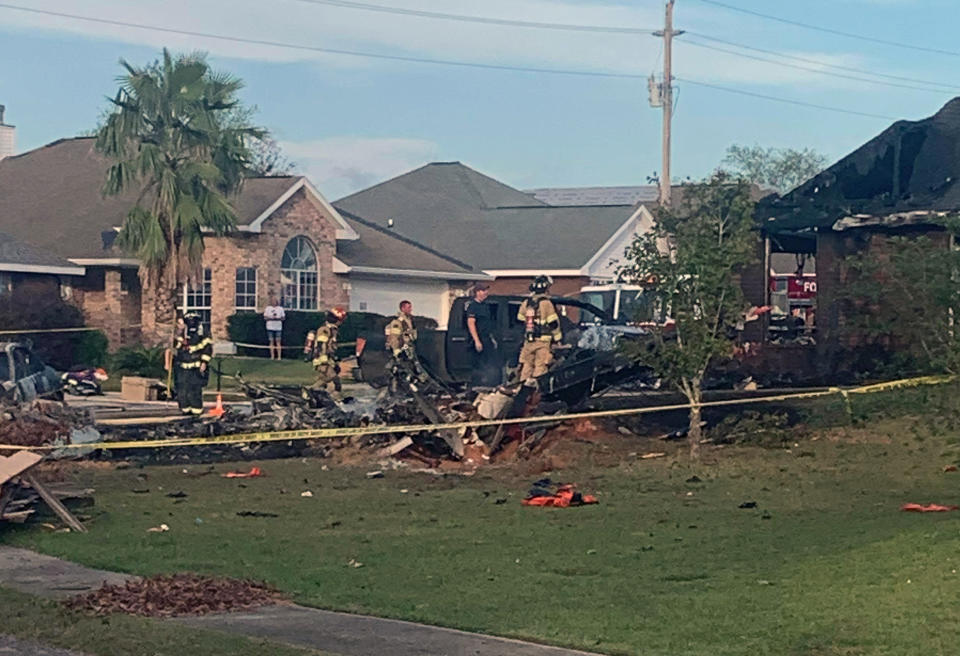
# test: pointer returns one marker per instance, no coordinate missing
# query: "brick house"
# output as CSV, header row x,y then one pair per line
x,y
898,183
28,270
289,242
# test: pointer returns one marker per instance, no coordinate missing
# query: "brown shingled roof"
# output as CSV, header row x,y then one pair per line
x,y
51,197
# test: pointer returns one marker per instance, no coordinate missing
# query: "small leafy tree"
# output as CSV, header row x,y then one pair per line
x,y
781,169
690,259
902,299
172,140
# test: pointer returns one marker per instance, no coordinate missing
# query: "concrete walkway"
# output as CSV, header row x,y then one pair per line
x,y
339,633
10,646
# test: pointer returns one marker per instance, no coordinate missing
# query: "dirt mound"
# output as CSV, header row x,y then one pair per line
x,y
176,594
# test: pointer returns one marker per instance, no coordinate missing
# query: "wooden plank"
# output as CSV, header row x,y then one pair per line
x,y
55,504
16,464
395,448
18,517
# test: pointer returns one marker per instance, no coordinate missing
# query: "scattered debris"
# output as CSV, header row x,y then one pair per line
x,y
354,563
175,595
395,448
163,528
375,474
19,491
950,468
45,423
655,454
933,507
254,472
547,493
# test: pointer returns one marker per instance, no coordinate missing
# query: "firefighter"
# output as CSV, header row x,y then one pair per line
x,y
400,333
325,351
401,337
541,330
194,350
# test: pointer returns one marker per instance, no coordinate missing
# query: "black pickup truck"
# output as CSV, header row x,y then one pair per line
x,y
588,362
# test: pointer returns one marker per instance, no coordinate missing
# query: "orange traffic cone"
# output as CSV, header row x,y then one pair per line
x,y
218,409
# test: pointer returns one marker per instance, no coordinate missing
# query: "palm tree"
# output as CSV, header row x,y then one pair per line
x,y
173,138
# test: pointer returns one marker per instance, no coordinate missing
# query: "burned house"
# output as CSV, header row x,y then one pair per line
x,y
902,182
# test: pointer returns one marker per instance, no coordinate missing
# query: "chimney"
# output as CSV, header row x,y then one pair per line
x,y
7,137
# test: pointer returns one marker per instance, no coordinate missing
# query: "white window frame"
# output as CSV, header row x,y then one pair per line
x,y
299,301
256,289
205,311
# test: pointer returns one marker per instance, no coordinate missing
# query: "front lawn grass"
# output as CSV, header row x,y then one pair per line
x,y
48,623
666,564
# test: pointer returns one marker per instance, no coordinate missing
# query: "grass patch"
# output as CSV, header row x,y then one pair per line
x,y
259,370
824,564
47,622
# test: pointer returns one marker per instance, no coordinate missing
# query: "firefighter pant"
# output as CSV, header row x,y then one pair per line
x,y
535,359
326,374
190,391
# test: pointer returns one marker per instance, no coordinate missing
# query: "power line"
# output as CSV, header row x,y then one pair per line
x,y
329,51
830,30
420,60
366,6
814,70
800,103
807,60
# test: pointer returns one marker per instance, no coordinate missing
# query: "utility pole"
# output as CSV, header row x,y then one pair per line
x,y
664,95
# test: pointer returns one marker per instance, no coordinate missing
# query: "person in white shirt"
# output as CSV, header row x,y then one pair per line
x,y
274,315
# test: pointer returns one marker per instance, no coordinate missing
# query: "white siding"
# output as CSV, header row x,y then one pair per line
x,y
430,298
603,265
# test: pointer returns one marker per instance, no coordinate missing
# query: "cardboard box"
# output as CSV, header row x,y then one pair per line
x,y
135,388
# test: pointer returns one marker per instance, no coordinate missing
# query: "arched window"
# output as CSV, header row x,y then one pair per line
x,y
299,278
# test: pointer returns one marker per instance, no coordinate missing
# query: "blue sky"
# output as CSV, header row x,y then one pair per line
x,y
349,122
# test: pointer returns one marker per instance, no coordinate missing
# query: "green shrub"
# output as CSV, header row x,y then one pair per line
x,y
146,361
249,327
90,349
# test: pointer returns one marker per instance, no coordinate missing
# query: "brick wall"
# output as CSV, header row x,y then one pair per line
x,y
562,285
110,300
299,216
833,342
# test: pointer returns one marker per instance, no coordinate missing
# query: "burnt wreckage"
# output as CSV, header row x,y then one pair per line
x,y
433,387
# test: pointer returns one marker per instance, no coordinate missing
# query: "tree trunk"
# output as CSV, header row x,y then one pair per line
x,y
159,314
694,434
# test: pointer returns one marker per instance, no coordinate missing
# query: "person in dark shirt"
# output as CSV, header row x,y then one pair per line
x,y
486,358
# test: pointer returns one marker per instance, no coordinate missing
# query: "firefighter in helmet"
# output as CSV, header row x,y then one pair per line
x,y
194,350
401,342
324,351
541,330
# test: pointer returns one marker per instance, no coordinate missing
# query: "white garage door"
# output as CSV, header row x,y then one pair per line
x,y
429,297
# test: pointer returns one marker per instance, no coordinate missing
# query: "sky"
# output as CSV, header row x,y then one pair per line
x,y
349,122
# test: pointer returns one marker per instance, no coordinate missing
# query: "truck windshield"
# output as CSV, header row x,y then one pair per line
x,y
603,300
641,306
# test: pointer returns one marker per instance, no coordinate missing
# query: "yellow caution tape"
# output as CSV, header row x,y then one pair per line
x,y
38,331
386,429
